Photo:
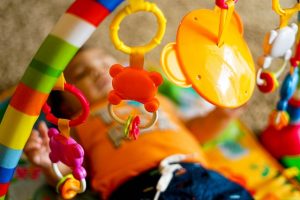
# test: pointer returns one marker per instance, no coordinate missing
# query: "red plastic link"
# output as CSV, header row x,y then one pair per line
x,y
270,82
222,4
84,103
296,59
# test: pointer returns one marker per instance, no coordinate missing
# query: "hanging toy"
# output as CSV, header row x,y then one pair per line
x,y
211,55
130,83
68,151
65,149
279,118
134,82
277,44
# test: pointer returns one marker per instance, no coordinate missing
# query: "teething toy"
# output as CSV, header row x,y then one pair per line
x,y
134,82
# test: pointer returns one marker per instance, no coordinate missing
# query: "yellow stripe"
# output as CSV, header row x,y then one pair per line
x,y
15,128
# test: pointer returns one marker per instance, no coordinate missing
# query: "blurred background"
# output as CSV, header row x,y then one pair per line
x,y
25,24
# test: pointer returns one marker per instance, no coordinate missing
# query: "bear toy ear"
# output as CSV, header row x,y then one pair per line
x,y
115,70
156,78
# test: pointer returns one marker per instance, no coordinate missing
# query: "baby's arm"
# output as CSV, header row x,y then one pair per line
x,y
207,127
37,151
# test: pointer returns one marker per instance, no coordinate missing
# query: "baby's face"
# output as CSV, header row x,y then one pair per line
x,y
89,71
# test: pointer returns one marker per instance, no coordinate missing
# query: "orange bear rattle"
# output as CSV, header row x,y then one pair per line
x,y
132,83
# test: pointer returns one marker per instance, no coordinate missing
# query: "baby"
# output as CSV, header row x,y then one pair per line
x,y
127,169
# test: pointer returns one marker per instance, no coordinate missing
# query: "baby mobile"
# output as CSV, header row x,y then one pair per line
x,y
281,137
210,54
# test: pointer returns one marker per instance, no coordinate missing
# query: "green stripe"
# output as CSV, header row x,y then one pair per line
x,y
45,69
56,52
38,81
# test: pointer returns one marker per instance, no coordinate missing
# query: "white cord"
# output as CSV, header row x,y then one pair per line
x,y
167,167
157,195
165,179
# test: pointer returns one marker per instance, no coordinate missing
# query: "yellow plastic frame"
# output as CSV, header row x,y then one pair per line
x,y
285,14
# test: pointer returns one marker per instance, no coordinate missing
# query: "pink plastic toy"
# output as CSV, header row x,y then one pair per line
x,y
222,4
67,151
135,131
135,84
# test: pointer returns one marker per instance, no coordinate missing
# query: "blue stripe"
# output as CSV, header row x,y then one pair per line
x,y
6,174
9,158
110,4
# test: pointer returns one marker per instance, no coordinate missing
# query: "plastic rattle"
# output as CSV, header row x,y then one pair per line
x,y
65,149
211,55
134,82
277,44
68,151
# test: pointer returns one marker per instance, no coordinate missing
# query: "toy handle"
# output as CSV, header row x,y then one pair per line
x,y
133,8
285,14
123,122
222,4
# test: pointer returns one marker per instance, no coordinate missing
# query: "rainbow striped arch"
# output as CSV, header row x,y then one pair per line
x,y
72,30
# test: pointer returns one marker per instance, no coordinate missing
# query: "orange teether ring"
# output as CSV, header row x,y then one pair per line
x,y
70,188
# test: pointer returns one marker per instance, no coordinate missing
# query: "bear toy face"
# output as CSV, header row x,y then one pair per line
x,y
134,84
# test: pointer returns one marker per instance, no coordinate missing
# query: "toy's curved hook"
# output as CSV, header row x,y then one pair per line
x,y
285,14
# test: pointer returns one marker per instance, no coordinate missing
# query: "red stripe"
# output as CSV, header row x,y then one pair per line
x,y
294,102
89,10
3,188
27,100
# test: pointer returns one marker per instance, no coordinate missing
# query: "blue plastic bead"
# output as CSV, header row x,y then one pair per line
x,y
289,86
282,105
294,113
6,174
110,4
9,158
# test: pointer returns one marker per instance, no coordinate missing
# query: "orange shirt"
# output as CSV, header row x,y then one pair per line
x,y
113,161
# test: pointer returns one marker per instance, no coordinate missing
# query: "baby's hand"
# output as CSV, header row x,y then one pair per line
x,y
230,112
37,147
